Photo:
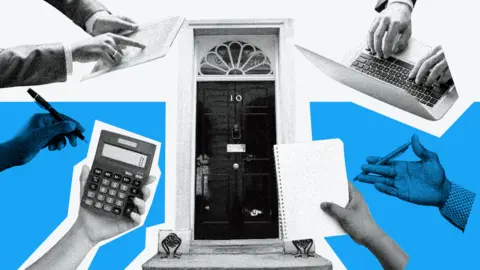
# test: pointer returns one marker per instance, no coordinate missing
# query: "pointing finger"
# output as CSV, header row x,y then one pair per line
x,y
373,179
121,40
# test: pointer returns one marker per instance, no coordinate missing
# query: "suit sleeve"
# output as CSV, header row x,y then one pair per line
x,y
32,65
458,206
382,4
77,10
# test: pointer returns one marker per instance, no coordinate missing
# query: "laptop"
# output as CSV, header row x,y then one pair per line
x,y
387,79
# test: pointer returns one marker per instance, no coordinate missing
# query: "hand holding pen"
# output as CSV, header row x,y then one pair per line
x,y
421,181
50,130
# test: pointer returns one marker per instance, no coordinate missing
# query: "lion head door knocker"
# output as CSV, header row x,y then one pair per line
x,y
236,134
306,245
172,241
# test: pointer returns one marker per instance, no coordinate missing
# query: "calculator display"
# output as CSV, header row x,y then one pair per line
x,y
123,155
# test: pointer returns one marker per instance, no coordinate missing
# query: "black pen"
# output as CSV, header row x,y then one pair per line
x,y
45,105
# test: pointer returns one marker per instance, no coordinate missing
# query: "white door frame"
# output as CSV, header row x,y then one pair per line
x,y
186,99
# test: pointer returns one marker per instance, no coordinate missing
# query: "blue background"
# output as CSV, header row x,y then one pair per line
x,y
35,196
430,240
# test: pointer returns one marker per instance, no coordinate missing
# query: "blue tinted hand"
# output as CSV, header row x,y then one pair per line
x,y
421,182
41,131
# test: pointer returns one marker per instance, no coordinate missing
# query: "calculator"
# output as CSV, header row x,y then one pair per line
x,y
119,171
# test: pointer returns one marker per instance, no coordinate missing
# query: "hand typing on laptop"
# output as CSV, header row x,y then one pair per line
x,y
421,182
391,30
357,221
432,68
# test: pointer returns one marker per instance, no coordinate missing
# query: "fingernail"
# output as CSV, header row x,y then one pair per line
x,y
72,125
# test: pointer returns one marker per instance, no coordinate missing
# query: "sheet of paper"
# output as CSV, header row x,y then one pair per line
x,y
309,174
158,38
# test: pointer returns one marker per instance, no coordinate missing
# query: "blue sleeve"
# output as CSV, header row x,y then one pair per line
x,y
458,206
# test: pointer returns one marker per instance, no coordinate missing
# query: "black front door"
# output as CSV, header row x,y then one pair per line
x,y
235,185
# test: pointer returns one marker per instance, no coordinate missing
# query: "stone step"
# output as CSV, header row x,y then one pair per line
x,y
238,262
237,247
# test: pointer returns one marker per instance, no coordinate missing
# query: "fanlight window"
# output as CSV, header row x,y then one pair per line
x,y
235,58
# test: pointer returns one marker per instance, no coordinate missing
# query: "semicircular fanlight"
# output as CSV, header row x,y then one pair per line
x,y
235,58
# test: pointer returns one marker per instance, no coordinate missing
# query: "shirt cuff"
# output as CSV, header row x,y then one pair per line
x,y
68,59
91,21
407,2
458,206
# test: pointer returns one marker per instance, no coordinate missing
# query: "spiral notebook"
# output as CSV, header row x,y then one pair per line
x,y
307,175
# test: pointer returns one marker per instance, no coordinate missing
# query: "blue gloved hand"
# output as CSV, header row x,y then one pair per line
x,y
41,131
421,182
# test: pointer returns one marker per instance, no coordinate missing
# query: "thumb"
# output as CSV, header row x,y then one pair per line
x,y
42,136
402,42
337,212
122,24
421,151
83,178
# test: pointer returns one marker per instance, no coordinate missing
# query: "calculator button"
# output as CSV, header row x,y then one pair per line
x,y
108,174
93,186
128,173
136,183
119,203
90,194
98,171
98,205
110,200
121,195
88,201
134,191
124,187
130,199
103,189
106,182
95,179
126,180
117,177
107,208
116,211
115,184
112,192
129,209
138,176
100,197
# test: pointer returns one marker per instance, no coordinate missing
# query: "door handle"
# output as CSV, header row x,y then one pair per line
x,y
236,134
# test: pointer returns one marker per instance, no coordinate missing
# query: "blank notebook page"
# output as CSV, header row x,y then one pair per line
x,y
307,175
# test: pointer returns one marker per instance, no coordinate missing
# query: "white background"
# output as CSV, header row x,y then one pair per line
x,y
329,27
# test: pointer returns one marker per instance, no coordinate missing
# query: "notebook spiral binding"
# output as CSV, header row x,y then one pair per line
x,y
281,208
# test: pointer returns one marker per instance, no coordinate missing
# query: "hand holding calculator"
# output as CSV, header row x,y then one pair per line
x,y
119,171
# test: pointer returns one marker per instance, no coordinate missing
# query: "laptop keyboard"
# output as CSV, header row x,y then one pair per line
x,y
395,72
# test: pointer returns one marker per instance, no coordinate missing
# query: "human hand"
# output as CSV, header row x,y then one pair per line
x,y
97,227
106,48
393,21
355,218
421,182
41,130
432,68
108,23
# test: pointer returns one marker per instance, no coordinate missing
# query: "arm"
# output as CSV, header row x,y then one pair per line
x,y
387,252
458,205
79,11
382,4
32,65
69,252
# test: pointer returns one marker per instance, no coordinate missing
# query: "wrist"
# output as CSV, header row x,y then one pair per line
x,y
373,237
445,192
81,232
403,6
7,156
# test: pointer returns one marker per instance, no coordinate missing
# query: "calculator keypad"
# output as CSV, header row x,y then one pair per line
x,y
112,192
